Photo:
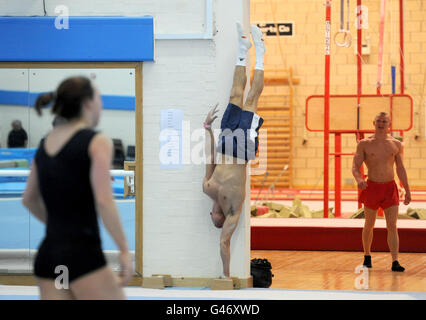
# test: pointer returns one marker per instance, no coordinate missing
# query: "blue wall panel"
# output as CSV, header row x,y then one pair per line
x,y
24,98
86,39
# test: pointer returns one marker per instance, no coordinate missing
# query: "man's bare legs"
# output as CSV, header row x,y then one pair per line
x,y
240,79
258,77
255,91
367,234
391,215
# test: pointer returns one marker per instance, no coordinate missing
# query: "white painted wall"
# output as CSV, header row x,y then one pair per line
x,y
171,16
191,75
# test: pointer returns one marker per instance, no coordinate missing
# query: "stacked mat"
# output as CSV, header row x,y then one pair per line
x,y
410,214
297,210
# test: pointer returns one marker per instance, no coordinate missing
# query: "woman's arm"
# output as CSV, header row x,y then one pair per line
x,y
32,198
100,152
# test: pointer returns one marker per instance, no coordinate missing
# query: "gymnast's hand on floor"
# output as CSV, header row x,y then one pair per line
x,y
126,272
211,116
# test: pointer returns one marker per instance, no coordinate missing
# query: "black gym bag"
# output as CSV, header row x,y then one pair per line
x,y
260,269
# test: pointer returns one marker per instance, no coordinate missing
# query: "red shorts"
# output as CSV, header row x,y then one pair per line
x,y
380,194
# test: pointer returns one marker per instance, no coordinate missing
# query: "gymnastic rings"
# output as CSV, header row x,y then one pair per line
x,y
347,38
346,41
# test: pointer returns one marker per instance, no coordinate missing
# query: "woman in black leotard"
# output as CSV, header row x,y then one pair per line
x,y
69,185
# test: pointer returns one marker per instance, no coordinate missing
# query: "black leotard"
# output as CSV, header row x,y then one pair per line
x,y
72,231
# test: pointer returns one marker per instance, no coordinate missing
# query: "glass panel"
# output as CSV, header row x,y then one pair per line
x,y
16,156
117,87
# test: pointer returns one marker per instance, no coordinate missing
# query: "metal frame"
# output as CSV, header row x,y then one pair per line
x,y
359,133
391,96
137,66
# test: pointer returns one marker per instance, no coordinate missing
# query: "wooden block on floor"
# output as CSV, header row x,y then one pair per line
x,y
222,284
168,281
246,283
236,283
153,282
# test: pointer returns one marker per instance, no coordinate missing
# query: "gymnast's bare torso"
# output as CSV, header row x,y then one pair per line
x,y
226,186
380,156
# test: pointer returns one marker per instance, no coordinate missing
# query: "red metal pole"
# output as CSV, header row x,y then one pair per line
x,y
359,63
401,63
359,51
362,174
338,174
327,103
381,36
342,154
401,43
359,79
391,114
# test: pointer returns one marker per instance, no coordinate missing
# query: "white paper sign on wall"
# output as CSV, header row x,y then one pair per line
x,y
171,139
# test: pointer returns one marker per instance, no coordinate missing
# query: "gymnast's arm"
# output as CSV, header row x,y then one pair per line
x,y
356,166
32,198
210,149
402,173
210,145
100,152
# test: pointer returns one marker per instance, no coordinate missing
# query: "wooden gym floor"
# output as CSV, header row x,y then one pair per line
x,y
335,270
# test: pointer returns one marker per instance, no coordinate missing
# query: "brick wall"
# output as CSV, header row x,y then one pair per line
x,y
304,53
191,75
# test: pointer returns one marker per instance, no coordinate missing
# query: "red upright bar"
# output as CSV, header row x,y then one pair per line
x,y
359,77
327,102
361,136
381,36
401,43
359,51
338,175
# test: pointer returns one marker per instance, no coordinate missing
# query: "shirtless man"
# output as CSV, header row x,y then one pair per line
x,y
380,152
225,181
